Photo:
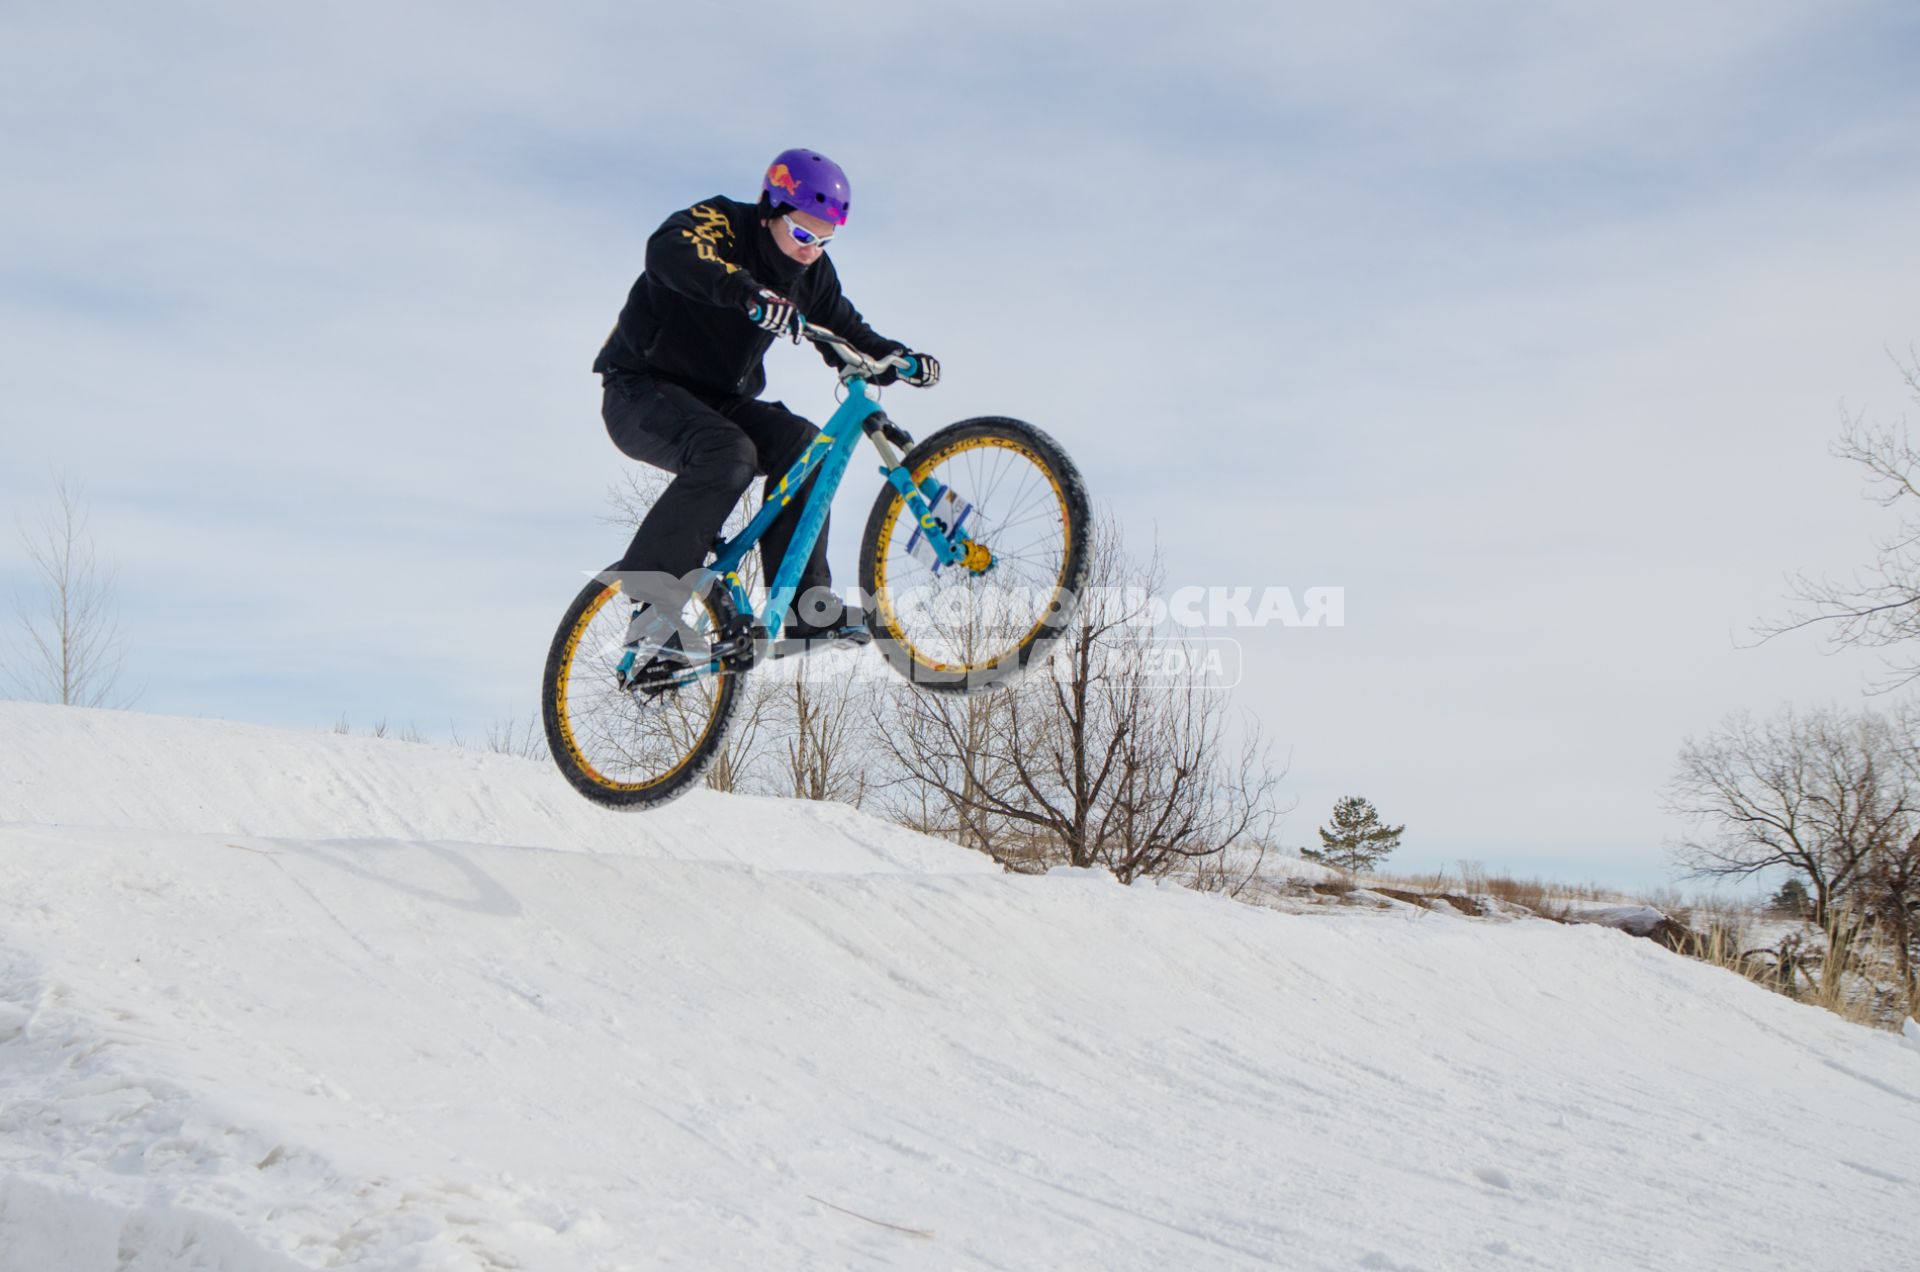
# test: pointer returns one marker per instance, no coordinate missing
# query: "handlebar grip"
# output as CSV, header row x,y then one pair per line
x,y
913,365
753,315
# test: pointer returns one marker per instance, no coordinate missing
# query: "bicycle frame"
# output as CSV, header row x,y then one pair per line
x,y
831,452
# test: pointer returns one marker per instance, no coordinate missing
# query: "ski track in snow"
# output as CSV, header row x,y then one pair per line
x,y
271,1000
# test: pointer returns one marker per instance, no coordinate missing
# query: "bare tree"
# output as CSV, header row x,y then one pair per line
x,y
1879,606
72,651
823,705
635,494
1890,897
940,754
1185,791
982,757
1819,793
1868,816
738,760
1892,882
1103,756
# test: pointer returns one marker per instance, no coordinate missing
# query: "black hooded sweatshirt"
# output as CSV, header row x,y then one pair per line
x,y
686,318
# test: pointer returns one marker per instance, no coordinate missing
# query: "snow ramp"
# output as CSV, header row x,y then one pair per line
x,y
273,1000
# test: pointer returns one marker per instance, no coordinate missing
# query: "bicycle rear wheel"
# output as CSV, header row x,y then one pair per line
x,y
618,747
979,623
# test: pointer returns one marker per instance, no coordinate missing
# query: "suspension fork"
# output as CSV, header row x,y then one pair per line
x,y
888,438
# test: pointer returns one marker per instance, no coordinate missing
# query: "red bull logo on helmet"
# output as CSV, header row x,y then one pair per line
x,y
779,176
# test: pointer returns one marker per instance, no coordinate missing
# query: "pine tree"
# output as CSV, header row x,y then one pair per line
x,y
1792,899
1355,839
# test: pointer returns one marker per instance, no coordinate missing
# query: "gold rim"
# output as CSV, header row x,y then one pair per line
x,y
889,618
564,680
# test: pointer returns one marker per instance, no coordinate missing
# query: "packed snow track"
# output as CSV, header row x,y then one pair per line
x,y
273,1000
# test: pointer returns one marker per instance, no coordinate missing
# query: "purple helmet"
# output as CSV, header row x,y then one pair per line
x,y
807,182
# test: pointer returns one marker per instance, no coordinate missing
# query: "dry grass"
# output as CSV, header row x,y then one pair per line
x,y
1535,894
1858,976
1849,968
1845,967
1723,945
1468,891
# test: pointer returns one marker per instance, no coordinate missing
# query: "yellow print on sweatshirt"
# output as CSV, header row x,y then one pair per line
x,y
707,237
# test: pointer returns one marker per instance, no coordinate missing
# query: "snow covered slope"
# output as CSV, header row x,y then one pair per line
x,y
271,1000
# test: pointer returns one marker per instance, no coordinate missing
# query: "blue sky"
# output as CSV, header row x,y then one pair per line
x,y
1527,323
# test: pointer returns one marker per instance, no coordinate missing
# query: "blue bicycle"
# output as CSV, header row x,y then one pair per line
x,y
971,565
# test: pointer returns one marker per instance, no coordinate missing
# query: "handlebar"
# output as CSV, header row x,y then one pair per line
x,y
856,362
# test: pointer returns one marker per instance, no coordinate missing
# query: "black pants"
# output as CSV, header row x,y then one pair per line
x,y
714,448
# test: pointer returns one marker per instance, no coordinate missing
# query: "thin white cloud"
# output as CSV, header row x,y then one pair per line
x,y
1495,313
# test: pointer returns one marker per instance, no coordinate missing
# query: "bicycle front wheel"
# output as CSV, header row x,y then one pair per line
x,y
980,622
619,747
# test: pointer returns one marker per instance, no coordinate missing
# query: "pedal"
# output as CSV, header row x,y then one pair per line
x,y
843,639
738,645
656,678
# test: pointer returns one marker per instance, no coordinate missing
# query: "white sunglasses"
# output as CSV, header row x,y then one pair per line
x,y
804,236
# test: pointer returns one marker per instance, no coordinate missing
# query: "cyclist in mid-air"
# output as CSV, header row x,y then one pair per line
x,y
683,376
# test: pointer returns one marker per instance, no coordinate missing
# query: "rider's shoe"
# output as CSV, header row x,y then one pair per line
x,y
657,657
854,633
648,630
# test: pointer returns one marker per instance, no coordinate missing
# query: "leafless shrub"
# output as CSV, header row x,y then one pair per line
x,y
381,729
942,753
71,650
823,708
1231,874
508,735
735,767
1094,759
516,736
